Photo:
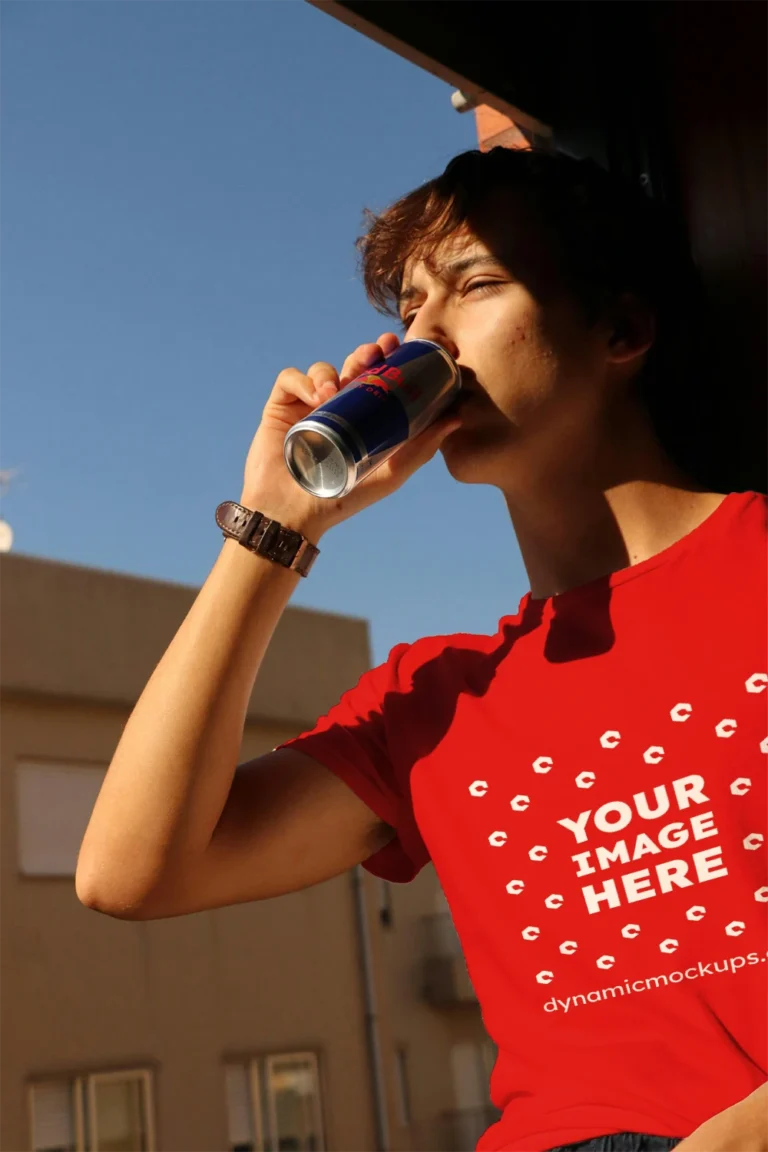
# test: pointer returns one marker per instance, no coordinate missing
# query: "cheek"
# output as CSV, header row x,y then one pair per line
x,y
523,373
562,329
507,346
548,353
518,331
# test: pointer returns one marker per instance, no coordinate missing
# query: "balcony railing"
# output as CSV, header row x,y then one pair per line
x,y
444,975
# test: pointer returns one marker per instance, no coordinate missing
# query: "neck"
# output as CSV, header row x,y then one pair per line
x,y
603,510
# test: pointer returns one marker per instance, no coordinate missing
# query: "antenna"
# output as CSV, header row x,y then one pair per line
x,y
6,532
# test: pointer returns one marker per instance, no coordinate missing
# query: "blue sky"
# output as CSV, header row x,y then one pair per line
x,y
182,184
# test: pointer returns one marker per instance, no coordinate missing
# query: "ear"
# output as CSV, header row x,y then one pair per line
x,y
631,329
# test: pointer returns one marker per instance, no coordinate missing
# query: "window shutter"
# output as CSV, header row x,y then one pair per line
x,y
469,1087
55,802
53,1121
239,1112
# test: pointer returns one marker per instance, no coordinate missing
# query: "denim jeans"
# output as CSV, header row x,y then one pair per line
x,y
621,1142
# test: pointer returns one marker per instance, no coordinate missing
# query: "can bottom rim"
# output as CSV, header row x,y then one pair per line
x,y
318,462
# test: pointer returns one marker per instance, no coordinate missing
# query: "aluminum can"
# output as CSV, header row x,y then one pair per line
x,y
354,432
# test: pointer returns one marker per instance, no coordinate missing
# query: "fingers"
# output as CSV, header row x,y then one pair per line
x,y
408,459
365,355
325,380
423,447
318,384
293,385
388,342
321,380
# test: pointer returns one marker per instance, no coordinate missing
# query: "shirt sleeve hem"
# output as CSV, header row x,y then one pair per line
x,y
392,862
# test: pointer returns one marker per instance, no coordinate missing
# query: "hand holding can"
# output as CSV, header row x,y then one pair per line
x,y
267,483
353,433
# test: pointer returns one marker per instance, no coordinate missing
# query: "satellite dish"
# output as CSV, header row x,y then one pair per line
x,y
6,536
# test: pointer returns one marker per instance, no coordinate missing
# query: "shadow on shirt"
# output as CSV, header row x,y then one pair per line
x,y
407,725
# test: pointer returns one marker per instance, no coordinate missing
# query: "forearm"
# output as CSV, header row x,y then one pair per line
x,y
172,770
743,1127
758,1101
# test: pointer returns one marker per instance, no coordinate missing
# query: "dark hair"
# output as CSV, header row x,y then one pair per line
x,y
606,238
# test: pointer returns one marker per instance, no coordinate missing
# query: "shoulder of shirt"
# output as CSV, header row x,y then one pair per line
x,y
440,649
437,653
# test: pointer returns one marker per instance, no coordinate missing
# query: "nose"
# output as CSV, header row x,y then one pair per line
x,y
432,329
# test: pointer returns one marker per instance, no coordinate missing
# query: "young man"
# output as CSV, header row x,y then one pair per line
x,y
590,780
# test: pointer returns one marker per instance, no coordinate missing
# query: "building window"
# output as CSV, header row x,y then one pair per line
x,y
471,1064
54,803
96,1112
243,1107
402,1091
385,903
273,1104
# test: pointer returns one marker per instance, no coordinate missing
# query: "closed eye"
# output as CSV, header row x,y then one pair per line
x,y
485,284
408,319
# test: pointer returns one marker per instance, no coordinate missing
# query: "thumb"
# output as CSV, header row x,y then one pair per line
x,y
423,447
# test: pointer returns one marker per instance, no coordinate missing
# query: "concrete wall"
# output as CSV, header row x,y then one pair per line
x,y
84,993
91,635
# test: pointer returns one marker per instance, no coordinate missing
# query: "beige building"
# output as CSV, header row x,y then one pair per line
x,y
338,1018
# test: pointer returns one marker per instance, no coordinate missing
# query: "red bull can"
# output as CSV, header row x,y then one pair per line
x,y
365,423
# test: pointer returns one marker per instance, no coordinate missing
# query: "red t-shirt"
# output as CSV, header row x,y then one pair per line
x,y
590,784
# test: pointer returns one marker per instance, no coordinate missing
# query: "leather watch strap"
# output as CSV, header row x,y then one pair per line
x,y
266,537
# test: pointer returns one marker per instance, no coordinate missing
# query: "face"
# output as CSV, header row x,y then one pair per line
x,y
537,379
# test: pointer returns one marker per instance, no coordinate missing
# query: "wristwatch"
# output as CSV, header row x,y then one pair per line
x,y
266,537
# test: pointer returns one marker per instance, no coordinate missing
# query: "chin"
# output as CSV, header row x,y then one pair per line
x,y
475,457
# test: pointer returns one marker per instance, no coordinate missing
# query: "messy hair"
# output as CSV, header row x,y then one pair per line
x,y
604,236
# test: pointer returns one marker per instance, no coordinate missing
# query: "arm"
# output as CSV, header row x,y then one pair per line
x,y
741,1128
174,828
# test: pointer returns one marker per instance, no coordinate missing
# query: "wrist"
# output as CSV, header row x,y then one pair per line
x,y
297,519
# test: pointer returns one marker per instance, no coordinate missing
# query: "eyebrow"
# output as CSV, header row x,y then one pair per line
x,y
454,269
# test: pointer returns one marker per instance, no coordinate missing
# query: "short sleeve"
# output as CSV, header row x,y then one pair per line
x,y
355,740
